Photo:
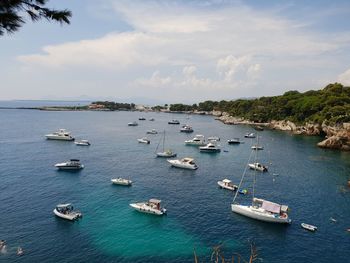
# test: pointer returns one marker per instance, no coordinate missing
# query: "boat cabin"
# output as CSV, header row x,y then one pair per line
x,y
64,208
154,203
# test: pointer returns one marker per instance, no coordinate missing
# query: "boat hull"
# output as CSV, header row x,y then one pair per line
x,y
65,167
166,155
140,207
123,182
228,187
258,214
71,216
59,138
182,165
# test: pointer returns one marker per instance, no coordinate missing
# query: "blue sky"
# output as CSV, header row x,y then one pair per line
x,y
178,51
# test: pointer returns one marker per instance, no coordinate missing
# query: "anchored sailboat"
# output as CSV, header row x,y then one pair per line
x,y
165,153
261,209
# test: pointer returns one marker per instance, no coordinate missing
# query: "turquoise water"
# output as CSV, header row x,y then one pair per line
x,y
310,180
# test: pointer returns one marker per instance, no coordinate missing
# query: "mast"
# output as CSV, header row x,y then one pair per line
x,y
163,141
255,170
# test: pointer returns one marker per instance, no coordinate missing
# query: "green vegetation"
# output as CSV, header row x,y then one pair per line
x,y
331,104
110,105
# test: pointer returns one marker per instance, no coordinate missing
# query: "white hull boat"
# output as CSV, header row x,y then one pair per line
x,y
73,164
234,141
134,123
185,163
210,148
214,139
144,140
174,122
83,143
257,147
309,227
121,181
61,135
227,184
198,140
258,167
150,207
249,135
153,131
186,129
166,154
66,211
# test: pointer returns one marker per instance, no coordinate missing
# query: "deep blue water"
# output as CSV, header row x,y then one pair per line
x,y
310,180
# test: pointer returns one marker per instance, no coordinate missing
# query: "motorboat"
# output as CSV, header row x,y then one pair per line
x,y
168,153
234,141
258,167
309,227
66,211
72,164
210,148
20,251
144,140
214,139
121,181
142,119
249,135
173,122
186,129
153,131
227,184
150,207
257,147
61,135
83,143
134,123
264,210
185,163
198,140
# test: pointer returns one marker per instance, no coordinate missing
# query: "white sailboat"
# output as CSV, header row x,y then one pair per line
x,y
167,153
261,209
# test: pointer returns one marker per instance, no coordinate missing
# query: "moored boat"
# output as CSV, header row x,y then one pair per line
x,y
153,131
121,181
72,164
165,153
186,128
227,184
249,135
142,119
150,207
210,148
173,122
234,141
214,139
185,163
134,123
66,211
309,227
83,143
257,147
144,140
60,135
198,140
258,167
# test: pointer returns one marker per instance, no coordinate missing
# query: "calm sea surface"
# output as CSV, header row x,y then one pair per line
x,y
310,180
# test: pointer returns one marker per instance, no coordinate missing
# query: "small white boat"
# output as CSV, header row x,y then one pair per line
x,y
185,163
234,141
258,167
210,148
134,123
186,128
144,140
61,135
153,131
214,139
227,184
173,122
20,251
309,227
150,207
66,211
257,147
198,140
72,164
166,154
121,181
249,135
83,143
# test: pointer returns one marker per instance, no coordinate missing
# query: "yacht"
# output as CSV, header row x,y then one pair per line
x,y
258,167
165,153
257,147
214,139
72,164
153,131
173,122
234,141
121,181
227,184
198,140
83,143
185,163
186,128
210,148
66,211
62,135
144,140
249,135
150,207
134,123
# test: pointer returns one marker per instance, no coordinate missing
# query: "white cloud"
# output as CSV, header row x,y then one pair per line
x,y
344,78
156,80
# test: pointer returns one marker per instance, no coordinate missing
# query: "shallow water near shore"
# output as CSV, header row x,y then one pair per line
x,y
312,181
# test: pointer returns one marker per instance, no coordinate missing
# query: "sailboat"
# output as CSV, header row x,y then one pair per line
x,y
165,153
261,209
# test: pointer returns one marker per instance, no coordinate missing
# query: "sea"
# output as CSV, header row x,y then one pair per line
x,y
199,223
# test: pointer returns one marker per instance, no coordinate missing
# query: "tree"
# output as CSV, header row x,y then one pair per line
x,y
12,14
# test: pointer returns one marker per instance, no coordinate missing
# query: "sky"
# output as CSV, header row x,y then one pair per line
x,y
178,51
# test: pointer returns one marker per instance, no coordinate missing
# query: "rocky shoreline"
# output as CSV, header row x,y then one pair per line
x,y
334,137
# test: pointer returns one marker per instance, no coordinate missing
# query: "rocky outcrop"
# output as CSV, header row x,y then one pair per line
x,y
307,129
338,137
